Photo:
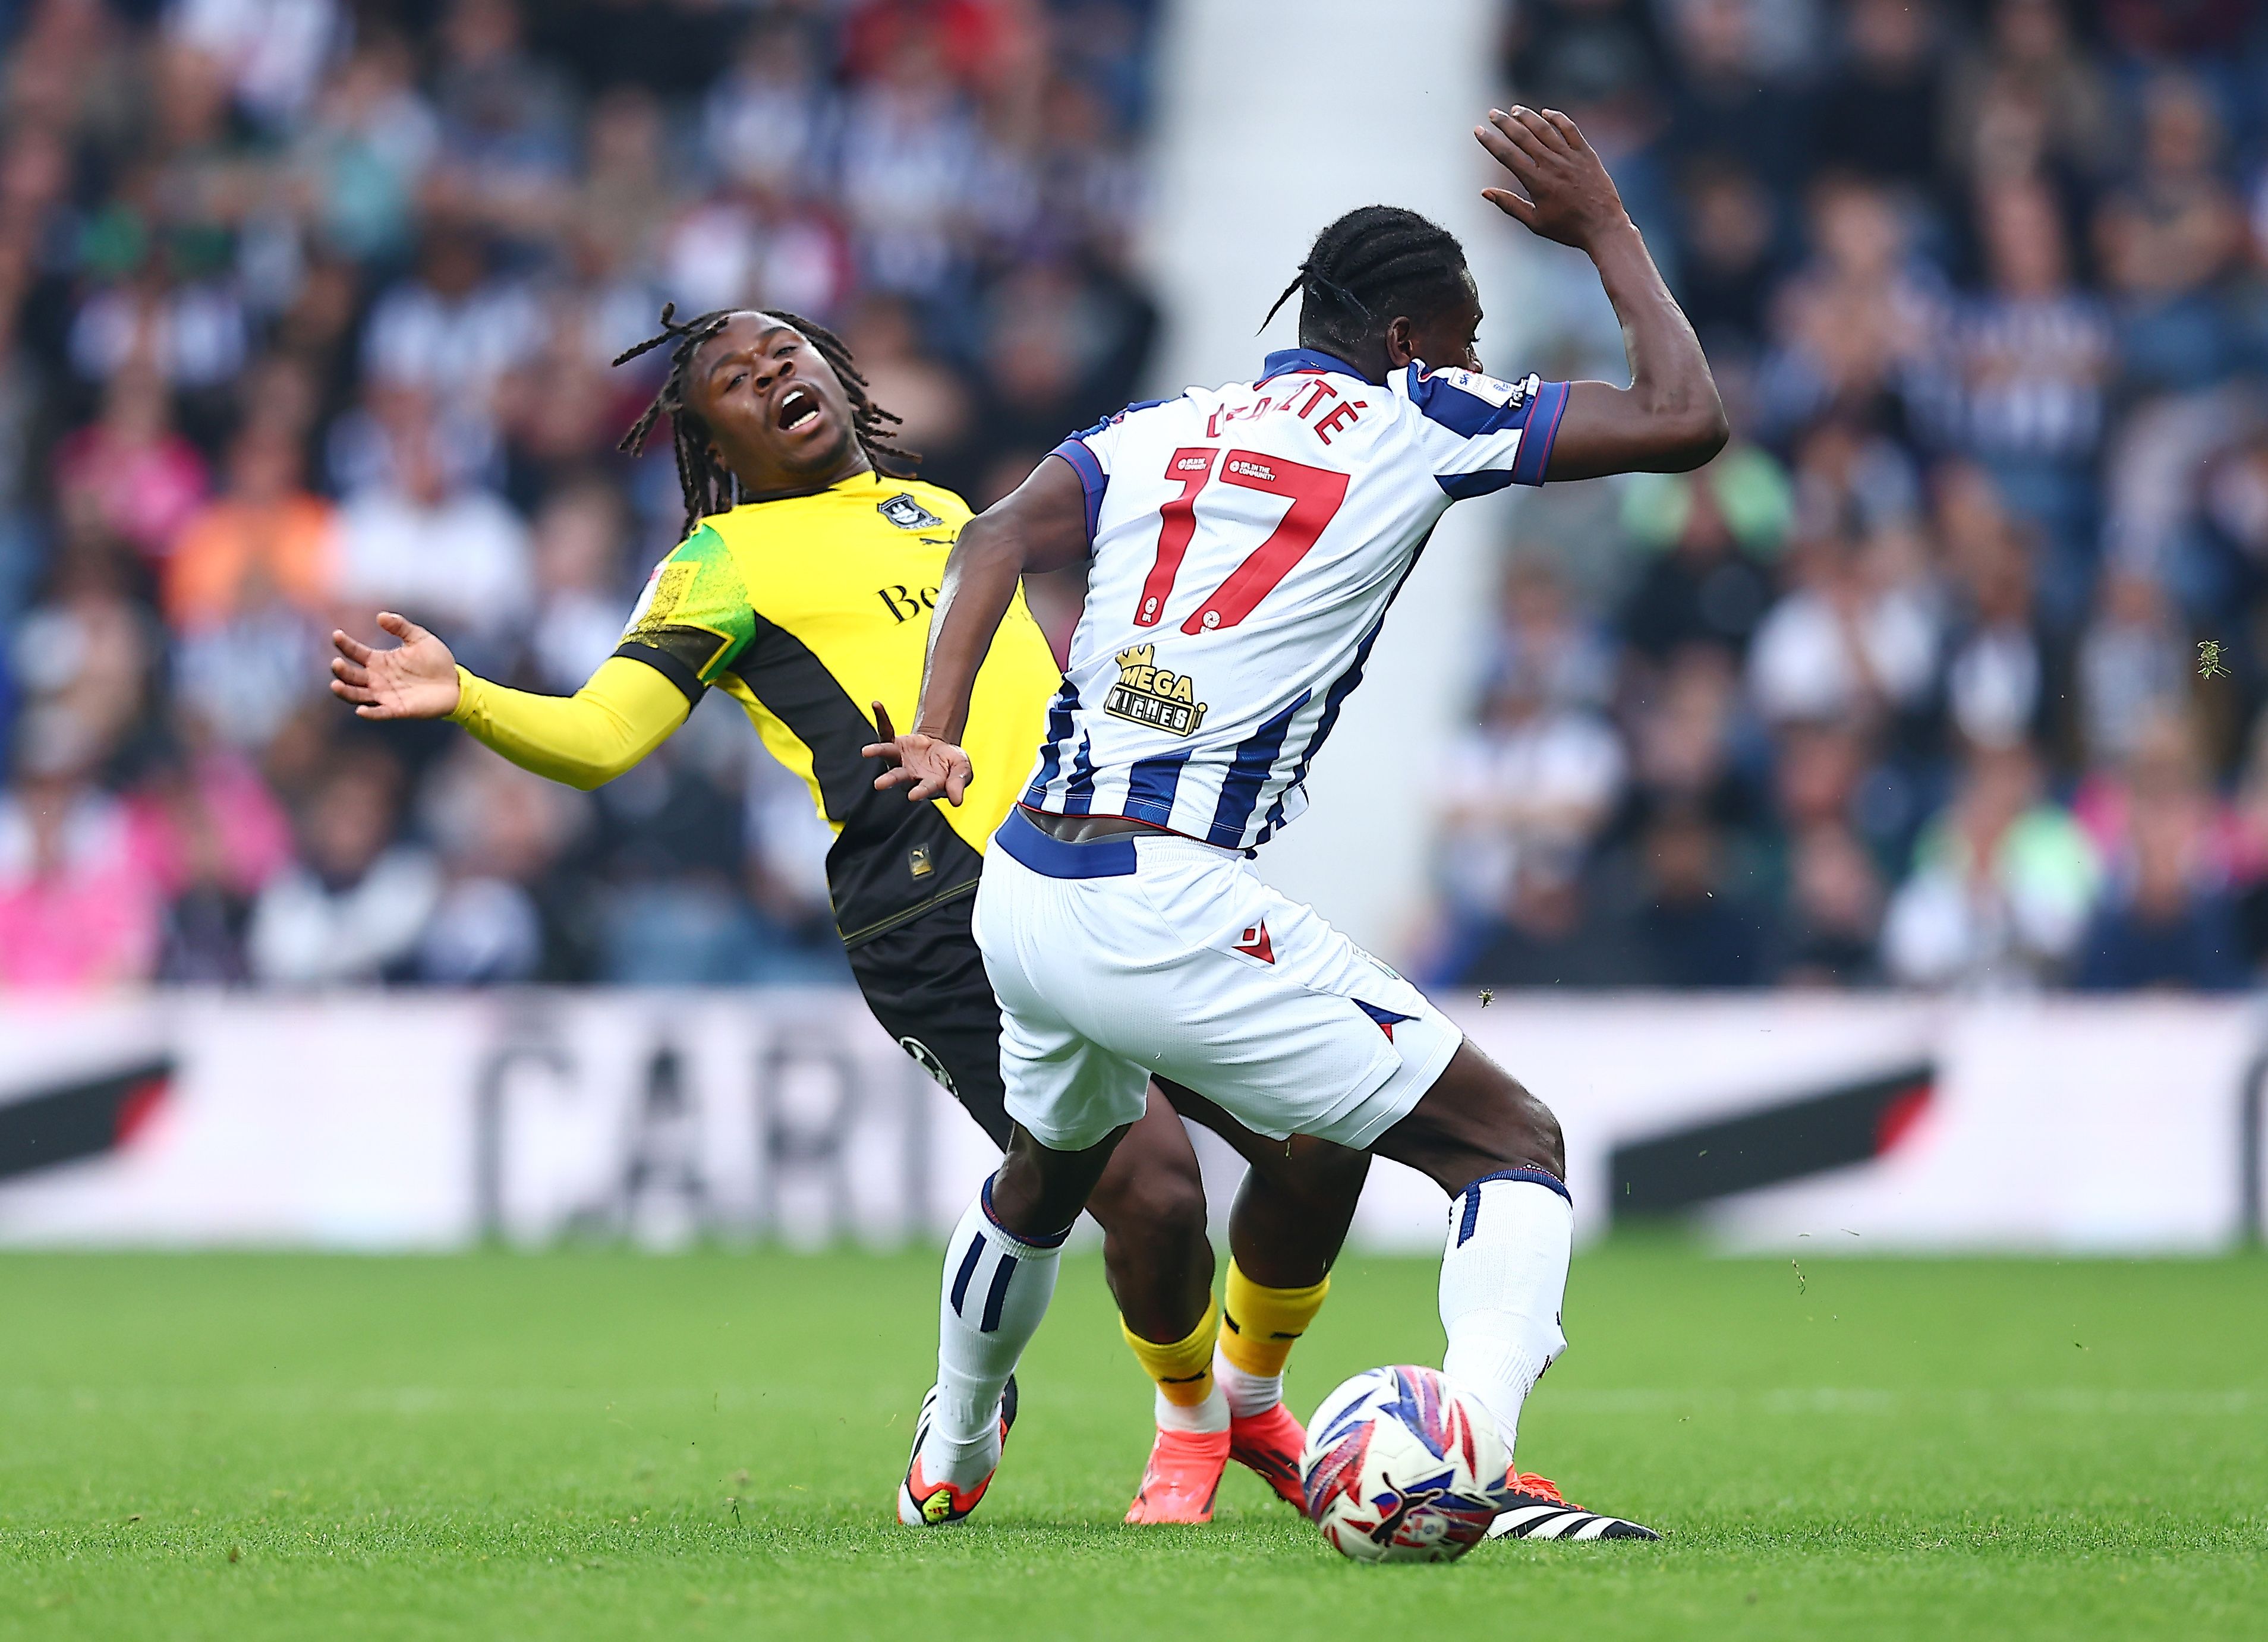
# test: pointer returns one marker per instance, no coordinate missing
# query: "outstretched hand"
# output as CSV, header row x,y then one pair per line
x,y
1569,198
417,679
930,767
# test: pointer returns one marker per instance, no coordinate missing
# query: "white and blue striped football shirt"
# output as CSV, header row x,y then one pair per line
x,y
1247,542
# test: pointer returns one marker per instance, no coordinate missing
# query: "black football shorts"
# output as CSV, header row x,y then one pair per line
x,y
925,983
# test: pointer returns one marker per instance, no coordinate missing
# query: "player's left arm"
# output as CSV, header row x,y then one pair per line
x,y
1042,526
1669,419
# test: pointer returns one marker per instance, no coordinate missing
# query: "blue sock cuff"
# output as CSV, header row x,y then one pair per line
x,y
1471,1195
1056,1240
1532,1177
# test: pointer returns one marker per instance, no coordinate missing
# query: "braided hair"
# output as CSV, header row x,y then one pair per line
x,y
1370,266
708,485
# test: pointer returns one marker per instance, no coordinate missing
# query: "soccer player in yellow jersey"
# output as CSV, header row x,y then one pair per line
x,y
803,589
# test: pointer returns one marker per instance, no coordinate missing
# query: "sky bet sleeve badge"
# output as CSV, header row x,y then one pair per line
x,y
1495,390
1148,693
906,513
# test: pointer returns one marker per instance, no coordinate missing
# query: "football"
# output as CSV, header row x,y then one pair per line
x,y
1400,1467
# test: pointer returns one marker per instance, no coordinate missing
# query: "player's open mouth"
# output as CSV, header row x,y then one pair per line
x,y
797,406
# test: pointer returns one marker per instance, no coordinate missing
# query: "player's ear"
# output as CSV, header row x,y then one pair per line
x,y
1400,342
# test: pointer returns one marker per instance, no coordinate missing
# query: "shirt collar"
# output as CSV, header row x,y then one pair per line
x,y
1284,361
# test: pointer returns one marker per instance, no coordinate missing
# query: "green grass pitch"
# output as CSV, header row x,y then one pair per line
x,y
599,1444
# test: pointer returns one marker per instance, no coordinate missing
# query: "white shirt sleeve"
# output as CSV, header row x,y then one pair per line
x,y
1480,433
1092,454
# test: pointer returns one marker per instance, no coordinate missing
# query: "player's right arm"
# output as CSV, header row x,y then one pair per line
x,y
694,618
1669,419
1043,526
626,709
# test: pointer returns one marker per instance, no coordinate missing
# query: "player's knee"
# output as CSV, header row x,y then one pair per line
x,y
1174,1203
1321,1178
1160,1208
1540,1134
1519,1132
1038,1192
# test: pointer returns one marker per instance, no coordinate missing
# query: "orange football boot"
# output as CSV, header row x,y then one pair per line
x,y
1182,1478
924,1504
1270,1443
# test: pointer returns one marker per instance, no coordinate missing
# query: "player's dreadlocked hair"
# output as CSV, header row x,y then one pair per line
x,y
1369,267
708,485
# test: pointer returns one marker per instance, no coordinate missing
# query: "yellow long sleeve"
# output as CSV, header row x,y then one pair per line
x,y
586,739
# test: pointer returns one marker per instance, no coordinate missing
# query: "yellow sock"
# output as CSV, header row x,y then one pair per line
x,y
1182,1369
1259,1326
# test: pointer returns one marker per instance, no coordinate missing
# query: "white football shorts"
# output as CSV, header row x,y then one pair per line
x,y
1144,953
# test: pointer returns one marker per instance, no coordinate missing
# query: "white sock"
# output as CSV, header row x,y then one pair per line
x,y
1247,1394
1211,1415
997,1288
1504,1277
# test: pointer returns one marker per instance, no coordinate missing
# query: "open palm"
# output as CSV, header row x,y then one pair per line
x,y
1570,197
931,766
415,680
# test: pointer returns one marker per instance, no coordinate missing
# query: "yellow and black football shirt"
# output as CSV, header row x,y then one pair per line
x,y
805,610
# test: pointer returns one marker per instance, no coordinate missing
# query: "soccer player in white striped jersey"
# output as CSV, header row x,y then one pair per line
x,y
1245,542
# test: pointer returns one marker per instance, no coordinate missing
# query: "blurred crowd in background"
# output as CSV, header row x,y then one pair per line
x,y
1950,671
306,308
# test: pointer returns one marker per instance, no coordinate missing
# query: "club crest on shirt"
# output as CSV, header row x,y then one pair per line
x,y
1148,693
906,513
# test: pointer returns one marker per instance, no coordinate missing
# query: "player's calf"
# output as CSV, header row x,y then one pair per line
x,y
1290,1217
999,1274
1497,1151
1259,1326
1151,1204
997,1288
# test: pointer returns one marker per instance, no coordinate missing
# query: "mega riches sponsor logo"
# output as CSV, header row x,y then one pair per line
x,y
1148,693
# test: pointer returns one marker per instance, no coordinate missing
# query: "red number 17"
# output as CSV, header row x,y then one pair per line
x,y
1316,495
